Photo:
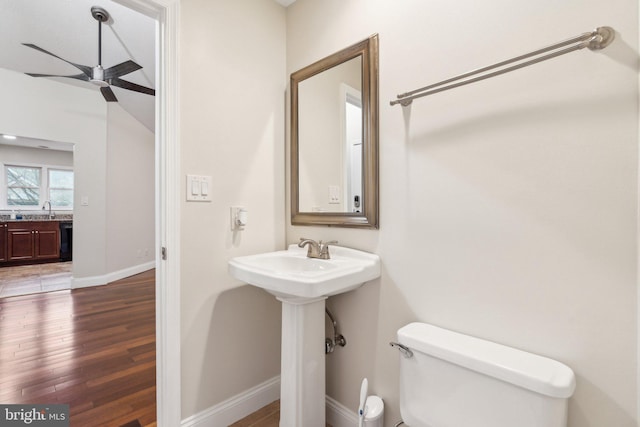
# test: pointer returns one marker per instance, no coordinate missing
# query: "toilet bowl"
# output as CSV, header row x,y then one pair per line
x,y
448,379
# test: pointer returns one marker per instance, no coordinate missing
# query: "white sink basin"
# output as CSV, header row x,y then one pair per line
x,y
302,284
291,274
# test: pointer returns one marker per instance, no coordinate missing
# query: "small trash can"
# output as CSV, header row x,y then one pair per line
x,y
374,412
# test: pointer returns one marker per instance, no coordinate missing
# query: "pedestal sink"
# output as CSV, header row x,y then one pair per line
x,y
302,284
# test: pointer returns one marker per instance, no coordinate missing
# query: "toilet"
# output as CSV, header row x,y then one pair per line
x,y
448,379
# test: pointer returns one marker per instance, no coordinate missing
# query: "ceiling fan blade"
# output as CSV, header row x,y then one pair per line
x,y
84,68
121,69
108,94
75,76
124,84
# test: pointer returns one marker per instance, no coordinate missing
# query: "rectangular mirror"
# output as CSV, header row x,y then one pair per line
x,y
334,139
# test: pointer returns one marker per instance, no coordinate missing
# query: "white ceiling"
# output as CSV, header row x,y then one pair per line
x,y
22,141
285,3
67,29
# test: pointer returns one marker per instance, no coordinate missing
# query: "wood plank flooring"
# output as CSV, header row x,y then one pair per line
x,y
267,416
91,348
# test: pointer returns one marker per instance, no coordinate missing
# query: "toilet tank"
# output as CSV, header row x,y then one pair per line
x,y
455,380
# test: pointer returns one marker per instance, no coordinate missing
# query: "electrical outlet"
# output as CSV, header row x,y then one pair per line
x,y
238,216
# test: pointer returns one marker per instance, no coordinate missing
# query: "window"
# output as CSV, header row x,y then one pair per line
x,y
61,187
28,187
23,186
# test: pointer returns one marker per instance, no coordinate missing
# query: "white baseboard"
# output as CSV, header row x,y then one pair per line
x,y
236,407
85,282
243,404
339,415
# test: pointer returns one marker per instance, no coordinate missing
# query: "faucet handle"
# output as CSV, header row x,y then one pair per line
x,y
324,248
330,242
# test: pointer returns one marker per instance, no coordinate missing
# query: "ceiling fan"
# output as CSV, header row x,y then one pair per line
x,y
103,77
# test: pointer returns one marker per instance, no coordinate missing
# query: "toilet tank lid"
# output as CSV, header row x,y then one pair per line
x,y
533,372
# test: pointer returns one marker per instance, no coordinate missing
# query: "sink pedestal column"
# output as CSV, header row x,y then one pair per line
x,y
302,379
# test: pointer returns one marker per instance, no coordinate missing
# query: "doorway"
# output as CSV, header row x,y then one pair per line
x,y
352,125
36,196
167,205
168,202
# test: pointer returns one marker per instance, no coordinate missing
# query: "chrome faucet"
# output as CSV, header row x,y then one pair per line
x,y
316,249
51,216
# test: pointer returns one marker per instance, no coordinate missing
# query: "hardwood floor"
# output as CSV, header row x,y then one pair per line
x,y
267,416
91,348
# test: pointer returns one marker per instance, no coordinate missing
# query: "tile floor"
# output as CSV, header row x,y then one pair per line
x,y
31,279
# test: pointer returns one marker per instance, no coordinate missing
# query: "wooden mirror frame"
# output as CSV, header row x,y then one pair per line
x,y
368,218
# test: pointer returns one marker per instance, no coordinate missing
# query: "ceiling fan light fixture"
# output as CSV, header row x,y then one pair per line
x,y
98,82
99,76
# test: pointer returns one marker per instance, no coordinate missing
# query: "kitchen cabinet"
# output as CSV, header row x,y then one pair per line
x,y
3,241
47,240
19,241
33,240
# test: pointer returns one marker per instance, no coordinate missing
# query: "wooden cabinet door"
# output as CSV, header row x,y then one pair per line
x,y
3,242
47,240
19,241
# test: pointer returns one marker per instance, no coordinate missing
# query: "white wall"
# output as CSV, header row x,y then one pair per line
x,y
508,207
41,108
41,156
130,191
233,83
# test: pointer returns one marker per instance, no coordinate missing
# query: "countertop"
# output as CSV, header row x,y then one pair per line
x,y
32,218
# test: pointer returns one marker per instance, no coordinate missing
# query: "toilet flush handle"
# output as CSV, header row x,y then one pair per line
x,y
406,351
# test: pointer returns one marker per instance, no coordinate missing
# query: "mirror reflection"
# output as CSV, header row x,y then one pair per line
x,y
330,139
334,165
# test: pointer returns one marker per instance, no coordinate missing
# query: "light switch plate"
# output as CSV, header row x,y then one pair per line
x,y
198,188
334,194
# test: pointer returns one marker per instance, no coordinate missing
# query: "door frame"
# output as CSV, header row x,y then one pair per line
x,y
167,209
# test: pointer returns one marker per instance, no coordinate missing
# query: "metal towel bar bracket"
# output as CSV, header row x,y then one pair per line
x,y
597,39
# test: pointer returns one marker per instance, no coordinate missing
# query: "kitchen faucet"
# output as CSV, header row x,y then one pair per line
x,y
51,216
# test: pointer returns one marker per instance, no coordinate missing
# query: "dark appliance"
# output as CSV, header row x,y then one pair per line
x,y
66,241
